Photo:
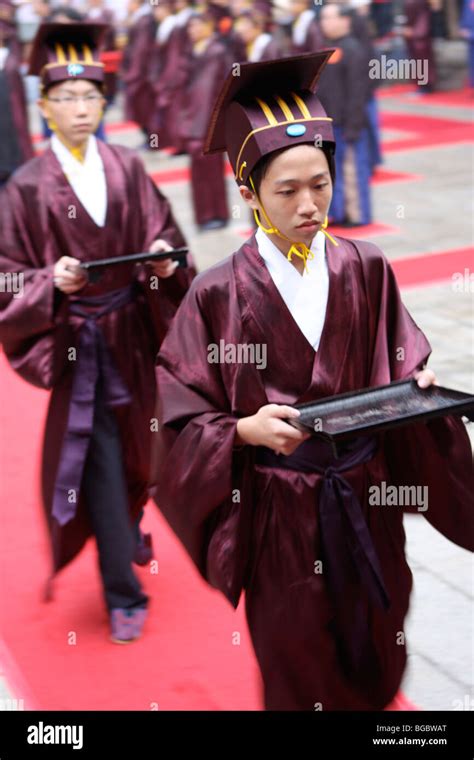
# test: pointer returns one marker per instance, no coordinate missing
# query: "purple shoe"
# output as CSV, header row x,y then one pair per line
x,y
144,549
126,624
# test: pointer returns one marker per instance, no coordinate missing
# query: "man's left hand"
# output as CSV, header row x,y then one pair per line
x,y
425,378
165,268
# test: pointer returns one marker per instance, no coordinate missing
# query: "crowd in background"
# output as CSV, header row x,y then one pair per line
x,y
170,58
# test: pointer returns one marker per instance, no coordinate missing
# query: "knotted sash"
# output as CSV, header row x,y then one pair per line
x,y
93,360
344,535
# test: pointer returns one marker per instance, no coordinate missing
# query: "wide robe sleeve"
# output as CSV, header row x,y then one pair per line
x,y
435,454
200,485
33,324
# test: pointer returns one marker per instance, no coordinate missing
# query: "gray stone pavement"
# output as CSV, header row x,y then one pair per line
x,y
437,215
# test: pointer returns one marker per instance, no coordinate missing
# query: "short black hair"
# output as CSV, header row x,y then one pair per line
x,y
260,169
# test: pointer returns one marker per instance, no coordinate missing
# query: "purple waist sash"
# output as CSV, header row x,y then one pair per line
x,y
346,544
93,362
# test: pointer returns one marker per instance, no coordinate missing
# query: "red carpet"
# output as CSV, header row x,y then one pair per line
x,y
409,93
426,268
366,231
186,658
451,99
424,131
394,89
382,176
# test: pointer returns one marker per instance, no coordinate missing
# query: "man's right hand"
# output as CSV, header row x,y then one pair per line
x,y
68,277
267,428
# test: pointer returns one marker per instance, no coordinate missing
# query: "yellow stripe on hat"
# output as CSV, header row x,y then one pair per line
x,y
284,107
87,54
267,111
73,57
301,105
60,54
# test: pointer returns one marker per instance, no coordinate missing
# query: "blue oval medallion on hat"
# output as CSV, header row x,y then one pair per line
x,y
296,130
74,69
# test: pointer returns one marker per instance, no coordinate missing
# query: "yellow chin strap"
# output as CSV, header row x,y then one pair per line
x,y
297,249
74,151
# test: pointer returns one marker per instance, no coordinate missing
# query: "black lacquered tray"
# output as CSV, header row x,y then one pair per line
x,y
373,410
95,268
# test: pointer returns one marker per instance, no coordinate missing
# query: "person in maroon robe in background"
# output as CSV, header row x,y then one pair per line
x,y
165,72
306,34
99,14
15,140
139,101
257,504
221,13
259,45
93,344
208,65
171,94
417,34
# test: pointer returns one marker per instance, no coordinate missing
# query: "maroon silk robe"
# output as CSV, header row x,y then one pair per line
x,y
167,76
206,74
15,141
419,45
249,526
137,54
272,51
313,41
42,219
169,88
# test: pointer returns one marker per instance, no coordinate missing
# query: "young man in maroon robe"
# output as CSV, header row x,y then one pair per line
x,y
15,141
136,61
207,67
292,317
93,344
